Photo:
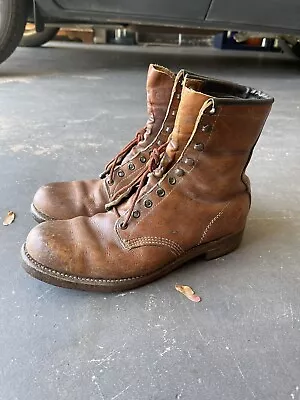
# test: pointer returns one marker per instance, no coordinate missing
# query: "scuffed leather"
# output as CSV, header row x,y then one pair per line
x,y
64,200
208,202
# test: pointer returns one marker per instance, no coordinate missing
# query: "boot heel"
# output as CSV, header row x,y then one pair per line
x,y
224,246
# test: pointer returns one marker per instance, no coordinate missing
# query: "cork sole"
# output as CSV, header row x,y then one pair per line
x,y
207,251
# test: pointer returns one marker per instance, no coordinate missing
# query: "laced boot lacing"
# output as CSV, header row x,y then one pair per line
x,y
152,164
155,161
111,166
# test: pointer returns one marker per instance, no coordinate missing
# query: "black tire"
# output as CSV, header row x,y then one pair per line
x,y
36,39
13,16
296,49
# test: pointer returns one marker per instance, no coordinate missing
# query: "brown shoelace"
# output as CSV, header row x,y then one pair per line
x,y
152,164
111,166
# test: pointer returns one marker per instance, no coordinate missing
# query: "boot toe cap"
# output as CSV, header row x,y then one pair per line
x,y
66,200
50,202
67,247
44,246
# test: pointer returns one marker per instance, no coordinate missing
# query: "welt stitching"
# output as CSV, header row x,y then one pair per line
x,y
43,215
79,278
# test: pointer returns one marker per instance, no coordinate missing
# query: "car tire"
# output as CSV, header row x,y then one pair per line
x,y
13,16
296,49
31,38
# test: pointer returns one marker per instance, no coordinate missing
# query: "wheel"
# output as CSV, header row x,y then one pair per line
x,y
13,16
296,49
32,38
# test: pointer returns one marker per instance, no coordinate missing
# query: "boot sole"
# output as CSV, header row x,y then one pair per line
x,y
38,216
207,251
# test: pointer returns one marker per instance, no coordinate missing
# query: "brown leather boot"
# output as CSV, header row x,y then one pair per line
x,y
193,201
64,200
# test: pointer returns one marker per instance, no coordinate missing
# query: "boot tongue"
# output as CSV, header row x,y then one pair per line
x,y
160,81
191,102
159,87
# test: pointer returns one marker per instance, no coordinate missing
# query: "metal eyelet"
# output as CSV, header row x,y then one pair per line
x,y
148,203
160,192
168,129
199,146
178,96
206,128
143,159
131,166
110,182
136,214
173,113
123,226
189,161
179,172
159,143
172,180
121,173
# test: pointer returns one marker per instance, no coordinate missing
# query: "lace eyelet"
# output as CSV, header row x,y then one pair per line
x,y
172,180
160,192
123,226
206,128
131,166
199,146
143,159
110,182
179,172
136,214
189,161
121,173
168,129
148,203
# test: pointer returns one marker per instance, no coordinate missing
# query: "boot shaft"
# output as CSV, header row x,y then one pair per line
x,y
159,86
224,136
217,126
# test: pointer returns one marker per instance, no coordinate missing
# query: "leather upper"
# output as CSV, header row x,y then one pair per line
x,y
64,200
200,195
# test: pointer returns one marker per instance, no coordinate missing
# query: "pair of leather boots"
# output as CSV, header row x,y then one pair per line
x,y
178,190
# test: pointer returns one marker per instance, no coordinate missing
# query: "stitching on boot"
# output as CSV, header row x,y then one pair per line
x,y
213,221
129,244
153,240
162,199
43,215
79,278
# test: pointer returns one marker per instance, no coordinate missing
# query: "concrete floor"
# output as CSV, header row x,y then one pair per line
x,y
65,110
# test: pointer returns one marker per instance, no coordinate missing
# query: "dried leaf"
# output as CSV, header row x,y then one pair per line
x,y
188,292
9,218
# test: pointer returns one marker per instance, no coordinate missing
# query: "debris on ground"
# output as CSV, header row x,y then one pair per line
x,y
188,292
9,218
